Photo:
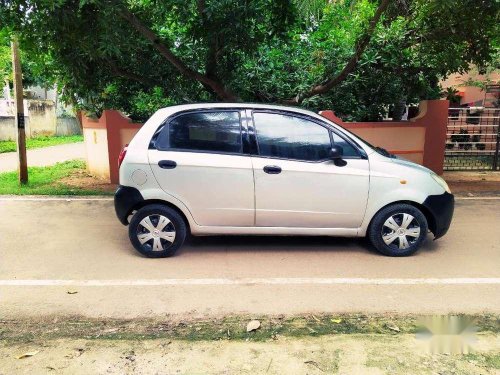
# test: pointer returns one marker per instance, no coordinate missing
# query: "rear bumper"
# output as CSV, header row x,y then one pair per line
x,y
441,208
126,198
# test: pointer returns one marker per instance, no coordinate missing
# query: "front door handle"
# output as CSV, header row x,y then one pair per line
x,y
167,164
272,169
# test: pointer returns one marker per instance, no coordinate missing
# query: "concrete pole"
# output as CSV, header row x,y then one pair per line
x,y
18,95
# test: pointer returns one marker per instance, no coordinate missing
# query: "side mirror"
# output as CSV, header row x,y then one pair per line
x,y
336,152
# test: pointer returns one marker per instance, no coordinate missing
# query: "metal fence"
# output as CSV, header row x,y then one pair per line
x,y
472,139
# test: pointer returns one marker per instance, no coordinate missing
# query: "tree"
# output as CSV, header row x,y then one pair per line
x,y
409,53
357,56
32,74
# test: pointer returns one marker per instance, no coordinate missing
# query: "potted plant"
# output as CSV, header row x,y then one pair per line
x,y
476,138
462,138
473,116
453,96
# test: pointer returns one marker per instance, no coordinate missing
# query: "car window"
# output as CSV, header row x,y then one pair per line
x,y
203,131
349,150
291,137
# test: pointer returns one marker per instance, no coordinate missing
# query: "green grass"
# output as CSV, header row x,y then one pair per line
x,y
38,142
227,328
485,360
45,180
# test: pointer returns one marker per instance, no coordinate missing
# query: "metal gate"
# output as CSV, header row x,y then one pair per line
x,y
472,139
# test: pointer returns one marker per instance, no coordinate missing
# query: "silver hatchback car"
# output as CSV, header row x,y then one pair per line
x,y
227,169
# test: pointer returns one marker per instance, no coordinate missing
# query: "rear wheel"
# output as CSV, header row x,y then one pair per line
x,y
157,231
398,230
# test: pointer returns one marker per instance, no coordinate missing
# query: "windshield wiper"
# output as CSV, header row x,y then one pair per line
x,y
384,152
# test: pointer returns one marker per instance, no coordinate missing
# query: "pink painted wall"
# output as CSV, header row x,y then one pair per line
x,y
421,139
470,95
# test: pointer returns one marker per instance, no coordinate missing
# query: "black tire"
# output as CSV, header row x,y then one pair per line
x,y
398,234
150,246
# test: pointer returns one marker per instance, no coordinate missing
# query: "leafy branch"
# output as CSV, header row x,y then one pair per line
x,y
359,48
215,85
210,80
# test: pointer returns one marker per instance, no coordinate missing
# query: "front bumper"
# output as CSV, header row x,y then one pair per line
x,y
441,208
126,198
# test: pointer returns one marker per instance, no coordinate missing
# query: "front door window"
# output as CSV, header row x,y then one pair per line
x,y
289,137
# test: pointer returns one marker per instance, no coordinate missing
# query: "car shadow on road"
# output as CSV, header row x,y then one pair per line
x,y
218,244
429,245
296,244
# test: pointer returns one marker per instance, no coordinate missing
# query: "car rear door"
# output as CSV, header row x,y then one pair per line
x,y
198,158
296,183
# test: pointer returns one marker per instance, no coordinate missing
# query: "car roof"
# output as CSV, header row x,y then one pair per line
x,y
185,107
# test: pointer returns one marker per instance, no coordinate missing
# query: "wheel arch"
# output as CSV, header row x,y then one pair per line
x,y
431,221
148,202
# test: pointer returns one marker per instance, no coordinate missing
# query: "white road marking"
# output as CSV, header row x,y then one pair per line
x,y
257,281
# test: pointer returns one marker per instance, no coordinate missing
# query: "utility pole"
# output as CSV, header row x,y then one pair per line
x,y
18,95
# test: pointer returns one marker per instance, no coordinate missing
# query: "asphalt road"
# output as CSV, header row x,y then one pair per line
x,y
52,247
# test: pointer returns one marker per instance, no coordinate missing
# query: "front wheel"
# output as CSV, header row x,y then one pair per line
x,y
157,231
398,230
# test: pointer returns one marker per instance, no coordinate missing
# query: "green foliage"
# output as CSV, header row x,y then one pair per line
x,y
311,10
39,142
5,57
32,65
387,74
145,103
261,50
45,180
5,65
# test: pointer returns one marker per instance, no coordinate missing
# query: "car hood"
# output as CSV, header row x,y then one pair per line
x,y
405,162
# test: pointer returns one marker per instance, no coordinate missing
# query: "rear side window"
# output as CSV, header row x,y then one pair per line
x,y
203,131
290,137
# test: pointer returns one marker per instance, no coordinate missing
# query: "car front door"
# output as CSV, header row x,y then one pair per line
x,y
296,182
198,158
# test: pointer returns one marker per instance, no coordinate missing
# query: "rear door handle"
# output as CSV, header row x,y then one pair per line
x,y
272,169
167,164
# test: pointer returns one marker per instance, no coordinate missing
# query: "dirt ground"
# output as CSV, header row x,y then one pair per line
x,y
353,344
333,354
83,180
473,183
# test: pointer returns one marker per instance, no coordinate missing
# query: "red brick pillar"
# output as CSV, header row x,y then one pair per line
x,y
104,139
433,115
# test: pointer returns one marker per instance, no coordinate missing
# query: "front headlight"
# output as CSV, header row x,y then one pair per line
x,y
441,182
